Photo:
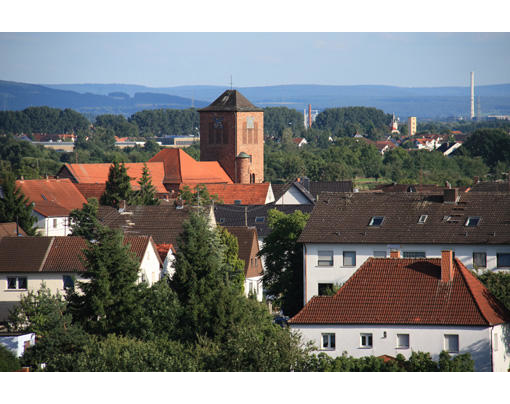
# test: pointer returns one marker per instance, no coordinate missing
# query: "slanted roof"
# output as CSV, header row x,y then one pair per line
x,y
316,187
180,168
97,173
162,222
52,197
344,218
406,291
254,215
91,190
248,248
247,194
430,188
280,189
9,230
231,101
54,254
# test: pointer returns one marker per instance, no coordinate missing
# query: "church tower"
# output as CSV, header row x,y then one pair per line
x,y
232,133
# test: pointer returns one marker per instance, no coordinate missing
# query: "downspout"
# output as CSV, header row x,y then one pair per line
x,y
304,275
492,351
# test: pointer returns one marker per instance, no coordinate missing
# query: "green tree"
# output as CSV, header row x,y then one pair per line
x,y
107,302
84,221
283,278
199,196
492,145
8,361
498,284
146,195
233,264
118,186
201,280
14,206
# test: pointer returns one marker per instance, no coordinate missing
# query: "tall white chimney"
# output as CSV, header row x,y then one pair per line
x,y
472,115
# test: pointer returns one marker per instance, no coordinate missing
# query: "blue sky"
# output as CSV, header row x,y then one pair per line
x,y
252,58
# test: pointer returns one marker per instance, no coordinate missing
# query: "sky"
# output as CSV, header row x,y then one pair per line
x,y
268,57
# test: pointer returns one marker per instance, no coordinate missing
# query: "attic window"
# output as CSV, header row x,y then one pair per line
x,y
221,220
472,221
237,202
259,219
422,219
376,221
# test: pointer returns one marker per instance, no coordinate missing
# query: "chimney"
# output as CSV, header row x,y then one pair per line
x,y
450,195
122,206
446,266
394,254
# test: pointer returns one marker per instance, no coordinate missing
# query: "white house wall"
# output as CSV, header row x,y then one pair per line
x,y
16,343
501,347
46,226
254,284
149,267
293,197
473,340
338,273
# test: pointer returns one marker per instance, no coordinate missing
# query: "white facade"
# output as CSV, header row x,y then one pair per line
x,y
254,285
150,269
293,196
17,343
52,226
338,273
477,341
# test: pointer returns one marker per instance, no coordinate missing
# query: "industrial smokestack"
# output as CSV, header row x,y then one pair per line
x,y
472,115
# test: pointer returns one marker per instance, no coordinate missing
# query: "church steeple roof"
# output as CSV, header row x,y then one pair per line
x,y
231,101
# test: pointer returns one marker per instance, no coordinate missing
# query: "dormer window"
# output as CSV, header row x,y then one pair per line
x,y
422,219
376,221
237,202
472,221
221,220
259,219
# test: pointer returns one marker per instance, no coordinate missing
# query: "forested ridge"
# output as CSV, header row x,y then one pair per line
x,y
332,153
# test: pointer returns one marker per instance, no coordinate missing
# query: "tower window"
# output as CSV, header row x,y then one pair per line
x,y
250,123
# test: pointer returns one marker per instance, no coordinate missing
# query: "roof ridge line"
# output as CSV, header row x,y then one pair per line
x,y
48,249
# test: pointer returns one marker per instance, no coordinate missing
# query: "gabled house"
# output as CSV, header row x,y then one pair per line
x,y
299,141
294,193
248,250
344,230
394,306
52,202
27,262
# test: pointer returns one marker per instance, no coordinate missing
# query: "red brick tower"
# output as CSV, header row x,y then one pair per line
x,y
232,133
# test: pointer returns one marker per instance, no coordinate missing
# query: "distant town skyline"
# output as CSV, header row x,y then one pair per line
x,y
256,59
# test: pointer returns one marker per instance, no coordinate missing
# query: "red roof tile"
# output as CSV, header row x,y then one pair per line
x,y
52,197
406,291
9,230
163,250
98,173
91,190
180,168
248,249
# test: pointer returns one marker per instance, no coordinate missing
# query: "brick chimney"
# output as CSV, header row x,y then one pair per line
x,y
394,254
450,195
446,266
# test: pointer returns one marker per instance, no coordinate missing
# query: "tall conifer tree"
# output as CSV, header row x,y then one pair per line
x,y
146,195
14,206
118,186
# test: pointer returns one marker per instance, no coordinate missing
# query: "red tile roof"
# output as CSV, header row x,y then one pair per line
x,y
180,168
406,291
247,194
91,190
9,230
98,173
52,197
163,250
248,249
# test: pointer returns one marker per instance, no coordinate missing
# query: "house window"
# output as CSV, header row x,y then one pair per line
x,y
366,340
349,258
472,221
17,282
422,219
325,259
222,220
503,260
451,343
237,202
328,341
480,260
325,289
403,341
68,281
376,221
380,254
54,223
250,123
413,254
259,219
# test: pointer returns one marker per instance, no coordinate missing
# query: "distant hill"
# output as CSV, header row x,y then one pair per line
x,y
18,96
423,102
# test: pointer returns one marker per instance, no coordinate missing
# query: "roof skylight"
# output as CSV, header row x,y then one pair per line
x,y
376,221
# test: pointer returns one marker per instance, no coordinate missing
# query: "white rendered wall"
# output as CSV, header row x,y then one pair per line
x,y
338,273
501,347
16,343
473,340
256,285
45,225
293,197
149,267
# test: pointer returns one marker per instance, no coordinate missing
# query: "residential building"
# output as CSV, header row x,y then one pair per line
x,y
394,306
17,342
242,194
344,230
294,193
11,229
52,202
299,141
28,262
248,249
411,126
